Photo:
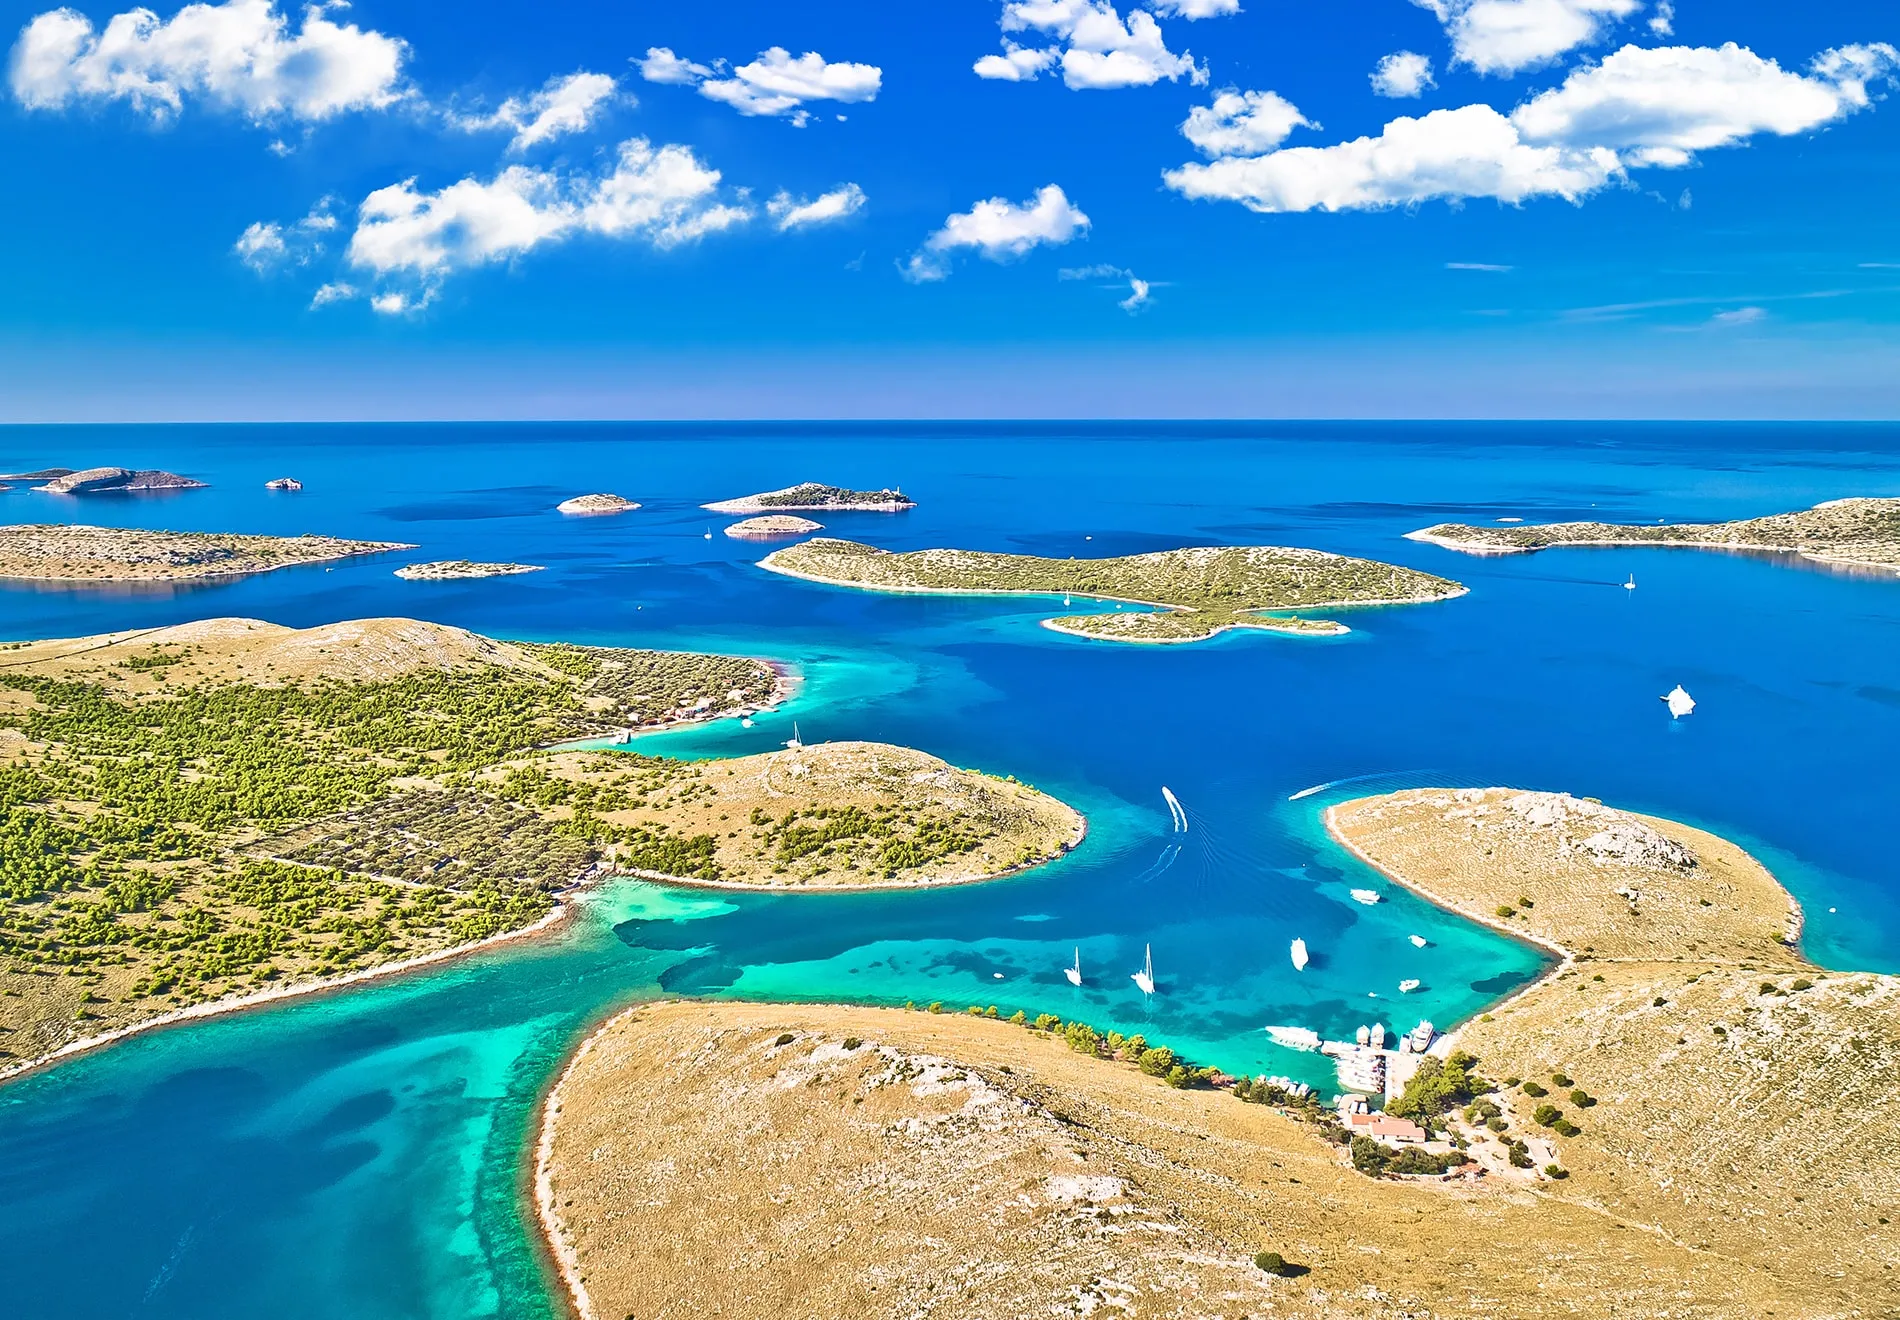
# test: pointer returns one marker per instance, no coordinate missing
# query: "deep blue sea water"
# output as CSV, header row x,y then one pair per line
x,y
359,1154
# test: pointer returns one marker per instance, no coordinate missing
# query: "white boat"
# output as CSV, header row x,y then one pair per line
x,y
1376,1037
1422,1036
1176,812
1418,941
1294,1038
1680,703
1631,584
745,721
794,742
1299,955
1366,896
1407,986
1145,978
1075,973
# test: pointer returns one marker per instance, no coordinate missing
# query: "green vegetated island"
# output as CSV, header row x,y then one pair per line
x,y
63,552
815,495
1852,531
229,809
1196,592
447,570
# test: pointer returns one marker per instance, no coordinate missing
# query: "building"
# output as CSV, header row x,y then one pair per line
x,y
1382,1127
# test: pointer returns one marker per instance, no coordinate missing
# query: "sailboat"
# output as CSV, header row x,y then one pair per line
x,y
1680,703
1299,955
709,533
1145,978
1631,584
1075,973
794,742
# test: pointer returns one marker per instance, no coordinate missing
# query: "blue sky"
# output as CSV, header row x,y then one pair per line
x,y
1464,208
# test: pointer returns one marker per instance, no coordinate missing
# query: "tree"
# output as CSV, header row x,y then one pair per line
x,y
1156,1062
1369,1157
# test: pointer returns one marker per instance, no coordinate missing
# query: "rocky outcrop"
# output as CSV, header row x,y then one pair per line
x,y
284,483
595,504
92,481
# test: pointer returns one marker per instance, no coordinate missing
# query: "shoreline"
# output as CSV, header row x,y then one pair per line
x,y
262,998
381,548
783,689
1486,549
556,1250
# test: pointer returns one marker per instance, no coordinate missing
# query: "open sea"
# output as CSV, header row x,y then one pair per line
x,y
360,1155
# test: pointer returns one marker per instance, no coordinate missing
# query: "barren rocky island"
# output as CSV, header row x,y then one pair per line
x,y
64,552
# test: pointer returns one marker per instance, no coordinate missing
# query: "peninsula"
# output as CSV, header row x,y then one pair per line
x,y
1195,593
771,526
1725,1111
448,569
98,480
64,552
210,813
813,495
1852,531
593,504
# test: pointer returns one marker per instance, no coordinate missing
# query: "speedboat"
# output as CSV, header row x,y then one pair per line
x,y
1366,896
1407,986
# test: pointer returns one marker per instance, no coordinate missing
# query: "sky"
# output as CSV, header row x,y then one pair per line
x,y
954,208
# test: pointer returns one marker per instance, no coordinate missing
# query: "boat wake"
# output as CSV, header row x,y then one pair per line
x,y
1355,779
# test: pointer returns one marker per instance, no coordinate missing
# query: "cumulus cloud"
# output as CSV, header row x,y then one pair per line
x,y
1637,108
790,212
239,55
1192,9
998,230
1663,21
664,196
1242,123
776,83
1096,47
335,291
566,105
268,247
1403,74
1506,36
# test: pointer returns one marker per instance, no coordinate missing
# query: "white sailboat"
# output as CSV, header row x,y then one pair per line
x,y
1631,584
794,742
1299,955
1680,703
1418,941
1145,978
1075,973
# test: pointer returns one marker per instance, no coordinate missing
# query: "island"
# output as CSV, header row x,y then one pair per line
x,y
98,480
1860,532
448,569
772,526
1724,1111
815,495
73,552
202,817
283,483
1193,594
595,504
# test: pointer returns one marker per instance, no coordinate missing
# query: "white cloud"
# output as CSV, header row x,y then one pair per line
x,y
565,105
664,196
1015,64
1137,295
267,246
240,55
1506,36
998,230
335,291
1098,272
1740,316
663,66
790,212
1096,46
1403,74
1192,9
1637,108
776,83
1242,123
1478,265
1663,21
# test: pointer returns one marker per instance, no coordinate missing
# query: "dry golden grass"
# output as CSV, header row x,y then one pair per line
x,y
1746,1102
955,1167
62,552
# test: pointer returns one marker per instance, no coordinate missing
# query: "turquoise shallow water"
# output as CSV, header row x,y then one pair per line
x,y
359,1154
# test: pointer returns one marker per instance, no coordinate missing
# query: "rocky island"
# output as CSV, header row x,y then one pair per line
x,y
66,552
1193,593
94,481
771,527
367,794
283,483
595,504
1853,531
814,495
448,569
1724,1110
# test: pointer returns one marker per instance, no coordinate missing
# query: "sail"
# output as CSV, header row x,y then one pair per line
x,y
1680,702
1299,955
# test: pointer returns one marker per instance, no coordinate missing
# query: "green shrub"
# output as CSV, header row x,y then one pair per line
x,y
1557,1079
851,1043
1506,911
1520,1158
1802,983
1545,1115
785,1038
1556,1171
1019,1017
1582,1099
1179,1078
1533,1090
1368,1156
1496,1124
936,1006
1156,1062
1047,1022
1563,1127
1271,1261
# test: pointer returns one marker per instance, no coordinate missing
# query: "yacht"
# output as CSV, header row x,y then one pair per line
x,y
1407,986
1366,896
